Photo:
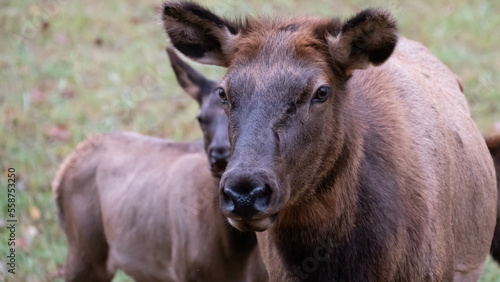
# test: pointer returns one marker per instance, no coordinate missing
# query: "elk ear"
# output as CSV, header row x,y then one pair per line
x,y
199,34
193,82
367,38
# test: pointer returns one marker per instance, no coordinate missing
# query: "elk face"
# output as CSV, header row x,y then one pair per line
x,y
212,119
283,95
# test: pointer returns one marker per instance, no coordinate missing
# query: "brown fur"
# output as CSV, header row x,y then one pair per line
x,y
493,143
156,222
386,179
149,206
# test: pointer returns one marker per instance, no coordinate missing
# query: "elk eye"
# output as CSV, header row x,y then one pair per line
x,y
222,95
321,94
199,119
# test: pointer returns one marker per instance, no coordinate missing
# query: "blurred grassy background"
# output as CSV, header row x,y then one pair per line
x,y
71,68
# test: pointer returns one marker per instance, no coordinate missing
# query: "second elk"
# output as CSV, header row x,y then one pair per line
x,y
149,206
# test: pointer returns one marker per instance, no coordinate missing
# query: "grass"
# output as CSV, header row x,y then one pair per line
x,y
69,69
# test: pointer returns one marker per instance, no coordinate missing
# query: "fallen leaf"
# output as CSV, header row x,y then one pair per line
x,y
98,41
58,132
36,95
34,213
134,20
68,93
45,25
22,244
34,10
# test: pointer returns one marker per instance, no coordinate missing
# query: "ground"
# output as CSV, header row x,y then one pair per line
x,y
69,69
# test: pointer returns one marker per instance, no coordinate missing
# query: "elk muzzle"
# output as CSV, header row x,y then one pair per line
x,y
247,199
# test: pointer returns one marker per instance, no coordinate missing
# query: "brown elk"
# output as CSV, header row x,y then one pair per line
x,y
148,206
353,149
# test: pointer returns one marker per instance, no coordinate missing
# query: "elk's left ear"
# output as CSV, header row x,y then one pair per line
x,y
199,34
367,38
193,82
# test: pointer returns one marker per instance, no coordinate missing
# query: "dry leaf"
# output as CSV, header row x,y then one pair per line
x,y
34,213
45,25
134,20
68,93
98,41
34,10
36,95
58,132
22,244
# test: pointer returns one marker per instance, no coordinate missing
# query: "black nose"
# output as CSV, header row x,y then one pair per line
x,y
219,156
246,199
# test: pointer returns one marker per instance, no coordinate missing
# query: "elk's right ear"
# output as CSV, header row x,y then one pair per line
x,y
193,82
369,38
199,34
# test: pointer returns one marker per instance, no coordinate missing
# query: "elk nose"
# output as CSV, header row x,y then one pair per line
x,y
246,201
219,156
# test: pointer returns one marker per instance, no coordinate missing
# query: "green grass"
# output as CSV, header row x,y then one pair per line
x,y
69,69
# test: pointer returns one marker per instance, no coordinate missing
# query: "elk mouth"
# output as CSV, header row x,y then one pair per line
x,y
218,167
251,198
253,224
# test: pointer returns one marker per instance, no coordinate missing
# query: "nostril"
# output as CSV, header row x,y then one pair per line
x,y
257,192
261,196
229,199
245,199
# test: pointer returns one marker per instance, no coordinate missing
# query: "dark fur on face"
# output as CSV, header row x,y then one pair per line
x,y
212,120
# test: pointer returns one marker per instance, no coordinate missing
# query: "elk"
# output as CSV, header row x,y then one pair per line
x,y
148,206
353,152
